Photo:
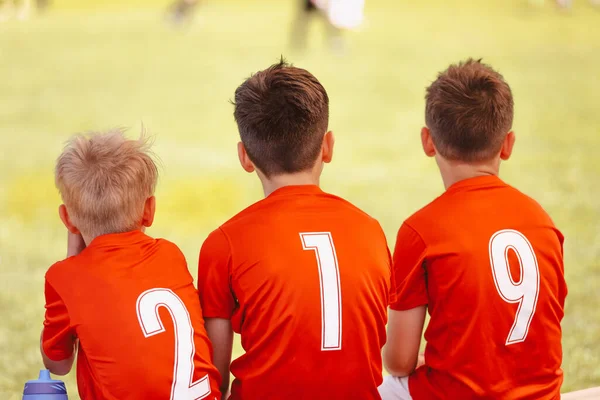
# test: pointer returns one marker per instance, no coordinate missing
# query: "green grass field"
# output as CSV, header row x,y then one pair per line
x,y
89,66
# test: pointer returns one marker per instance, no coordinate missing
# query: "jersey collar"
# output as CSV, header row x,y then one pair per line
x,y
296,189
478,181
119,239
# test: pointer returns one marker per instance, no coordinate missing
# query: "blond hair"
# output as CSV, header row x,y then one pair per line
x,y
104,180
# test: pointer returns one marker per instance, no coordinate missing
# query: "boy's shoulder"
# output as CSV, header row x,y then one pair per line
x,y
346,206
267,206
94,258
461,207
167,245
61,269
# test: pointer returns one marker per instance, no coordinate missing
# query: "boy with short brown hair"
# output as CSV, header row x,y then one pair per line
x,y
304,276
484,259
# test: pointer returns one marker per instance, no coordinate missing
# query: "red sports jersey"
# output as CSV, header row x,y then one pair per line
x,y
488,262
130,301
305,278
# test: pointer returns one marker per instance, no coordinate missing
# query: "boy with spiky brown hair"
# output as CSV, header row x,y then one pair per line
x,y
123,301
484,259
303,275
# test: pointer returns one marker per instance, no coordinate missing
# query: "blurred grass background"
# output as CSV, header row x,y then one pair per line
x,y
91,65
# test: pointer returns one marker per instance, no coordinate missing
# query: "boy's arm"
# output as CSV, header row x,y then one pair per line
x,y
407,310
401,352
220,334
56,338
217,300
58,342
61,367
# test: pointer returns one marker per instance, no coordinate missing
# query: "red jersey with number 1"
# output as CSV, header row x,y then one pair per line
x,y
488,262
131,302
304,277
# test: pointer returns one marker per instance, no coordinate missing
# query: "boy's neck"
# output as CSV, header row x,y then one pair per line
x,y
90,238
273,183
456,171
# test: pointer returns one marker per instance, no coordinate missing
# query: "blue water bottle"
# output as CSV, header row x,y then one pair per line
x,y
45,388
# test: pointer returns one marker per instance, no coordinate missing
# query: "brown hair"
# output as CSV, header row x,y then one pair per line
x,y
469,111
282,114
104,180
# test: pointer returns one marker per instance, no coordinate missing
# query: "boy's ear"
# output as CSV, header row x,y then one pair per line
x,y
63,213
507,146
149,210
427,143
245,161
327,147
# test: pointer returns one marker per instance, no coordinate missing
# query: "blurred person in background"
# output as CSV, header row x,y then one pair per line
x,y
569,3
338,15
20,9
566,4
306,12
182,10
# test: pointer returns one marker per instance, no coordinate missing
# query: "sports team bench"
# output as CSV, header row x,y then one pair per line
x,y
587,394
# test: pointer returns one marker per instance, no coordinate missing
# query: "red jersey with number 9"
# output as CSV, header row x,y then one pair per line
x,y
304,277
130,301
488,262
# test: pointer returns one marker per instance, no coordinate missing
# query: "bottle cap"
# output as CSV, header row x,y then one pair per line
x,y
45,385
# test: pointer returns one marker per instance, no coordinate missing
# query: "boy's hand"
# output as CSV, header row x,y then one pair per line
x,y
75,244
420,360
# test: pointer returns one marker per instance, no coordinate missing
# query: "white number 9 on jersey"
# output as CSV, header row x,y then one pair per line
x,y
525,292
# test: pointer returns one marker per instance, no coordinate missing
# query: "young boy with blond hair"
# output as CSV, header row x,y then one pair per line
x,y
123,301
484,259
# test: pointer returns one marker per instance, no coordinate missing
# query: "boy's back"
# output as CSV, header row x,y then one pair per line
x,y
303,276
125,299
125,351
311,276
485,260
489,333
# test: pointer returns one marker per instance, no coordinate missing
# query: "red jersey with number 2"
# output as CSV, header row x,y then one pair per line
x,y
304,277
488,262
131,302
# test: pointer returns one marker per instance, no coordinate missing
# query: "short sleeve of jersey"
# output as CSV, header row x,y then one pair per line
x,y
58,336
214,283
409,274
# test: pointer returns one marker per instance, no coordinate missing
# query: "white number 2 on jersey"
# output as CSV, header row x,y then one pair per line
x,y
525,292
331,296
148,304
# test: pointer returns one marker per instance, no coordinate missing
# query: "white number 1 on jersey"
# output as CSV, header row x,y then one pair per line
x,y
331,296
